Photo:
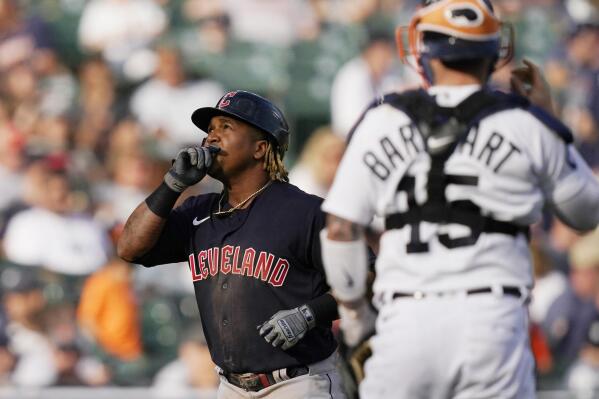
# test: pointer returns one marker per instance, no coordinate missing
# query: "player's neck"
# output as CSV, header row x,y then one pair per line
x,y
452,77
241,187
457,79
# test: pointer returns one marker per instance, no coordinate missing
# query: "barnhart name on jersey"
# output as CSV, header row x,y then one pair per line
x,y
231,260
408,143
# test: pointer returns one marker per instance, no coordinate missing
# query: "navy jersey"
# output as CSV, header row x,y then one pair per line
x,y
247,266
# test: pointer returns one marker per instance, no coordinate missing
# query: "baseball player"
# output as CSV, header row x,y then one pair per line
x,y
458,172
253,253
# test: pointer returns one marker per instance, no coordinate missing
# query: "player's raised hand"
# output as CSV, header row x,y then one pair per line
x,y
528,81
286,327
189,167
357,323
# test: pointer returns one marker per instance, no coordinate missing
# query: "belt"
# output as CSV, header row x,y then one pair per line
x,y
255,382
505,290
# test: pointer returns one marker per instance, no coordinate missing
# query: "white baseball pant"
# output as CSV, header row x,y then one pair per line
x,y
459,347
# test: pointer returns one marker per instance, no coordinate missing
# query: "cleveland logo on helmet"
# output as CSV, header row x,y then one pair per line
x,y
224,102
250,108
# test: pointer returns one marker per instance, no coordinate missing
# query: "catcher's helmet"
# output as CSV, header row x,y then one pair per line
x,y
454,30
250,108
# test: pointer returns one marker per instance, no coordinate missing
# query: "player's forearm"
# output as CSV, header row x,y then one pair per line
x,y
140,234
344,256
144,226
339,229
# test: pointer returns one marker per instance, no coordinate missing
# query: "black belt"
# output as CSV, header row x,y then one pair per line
x,y
257,381
507,290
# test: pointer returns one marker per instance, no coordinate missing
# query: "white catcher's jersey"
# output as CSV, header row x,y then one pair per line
x,y
519,164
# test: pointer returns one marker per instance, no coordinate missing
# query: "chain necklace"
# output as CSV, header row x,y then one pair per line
x,y
220,212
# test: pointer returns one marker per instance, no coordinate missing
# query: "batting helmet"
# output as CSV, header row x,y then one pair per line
x,y
250,108
454,30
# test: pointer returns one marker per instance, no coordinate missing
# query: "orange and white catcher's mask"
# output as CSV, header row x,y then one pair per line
x,y
462,30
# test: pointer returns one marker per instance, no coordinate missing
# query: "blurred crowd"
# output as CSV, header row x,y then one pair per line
x,y
95,100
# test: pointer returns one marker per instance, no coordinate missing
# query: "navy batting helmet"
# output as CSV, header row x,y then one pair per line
x,y
250,108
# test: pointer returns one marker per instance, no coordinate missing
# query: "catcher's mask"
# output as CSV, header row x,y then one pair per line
x,y
454,30
250,108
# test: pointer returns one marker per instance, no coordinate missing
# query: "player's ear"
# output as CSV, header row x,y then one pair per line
x,y
260,148
260,143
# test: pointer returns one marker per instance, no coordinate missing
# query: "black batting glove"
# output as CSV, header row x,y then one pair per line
x,y
286,327
189,167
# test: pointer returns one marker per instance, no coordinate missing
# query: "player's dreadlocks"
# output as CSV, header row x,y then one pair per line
x,y
273,158
273,163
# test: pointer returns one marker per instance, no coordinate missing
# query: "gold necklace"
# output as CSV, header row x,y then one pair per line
x,y
229,211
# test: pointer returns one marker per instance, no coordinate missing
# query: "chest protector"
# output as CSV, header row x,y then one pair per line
x,y
442,130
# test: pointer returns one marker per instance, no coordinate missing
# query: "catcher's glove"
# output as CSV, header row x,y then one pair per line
x,y
357,359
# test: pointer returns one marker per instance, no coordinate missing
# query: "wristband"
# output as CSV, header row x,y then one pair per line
x,y
162,200
324,309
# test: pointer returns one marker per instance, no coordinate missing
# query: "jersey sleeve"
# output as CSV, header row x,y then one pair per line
x,y
171,246
316,225
569,184
351,196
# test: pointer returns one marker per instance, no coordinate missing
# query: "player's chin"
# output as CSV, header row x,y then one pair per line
x,y
215,171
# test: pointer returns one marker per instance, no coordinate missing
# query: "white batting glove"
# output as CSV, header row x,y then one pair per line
x,y
356,323
286,327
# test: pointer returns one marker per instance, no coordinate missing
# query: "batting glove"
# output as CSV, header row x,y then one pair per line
x,y
189,167
286,327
